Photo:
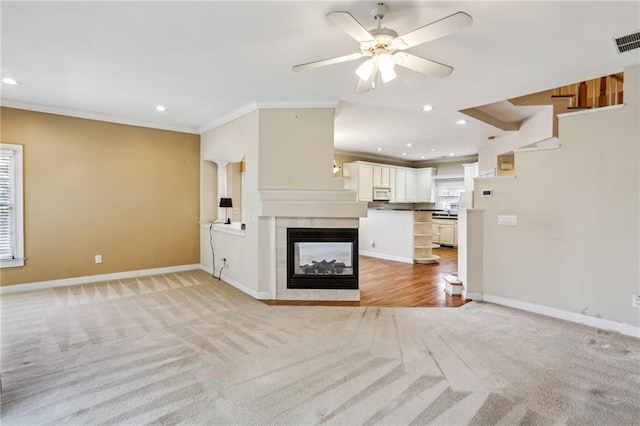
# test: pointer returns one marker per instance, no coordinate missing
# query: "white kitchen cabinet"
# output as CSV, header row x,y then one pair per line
x,y
365,182
424,181
445,232
381,176
404,188
359,176
435,233
392,184
447,235
411,196
401,185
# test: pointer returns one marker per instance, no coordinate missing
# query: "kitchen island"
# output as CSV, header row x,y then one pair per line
x,y
401,235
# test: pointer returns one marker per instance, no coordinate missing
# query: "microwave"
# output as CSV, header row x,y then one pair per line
x,y
381,193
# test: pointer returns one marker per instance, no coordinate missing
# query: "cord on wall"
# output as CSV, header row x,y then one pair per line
x,y
224,263
213,253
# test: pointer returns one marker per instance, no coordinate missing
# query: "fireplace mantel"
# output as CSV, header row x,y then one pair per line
x,y
338,203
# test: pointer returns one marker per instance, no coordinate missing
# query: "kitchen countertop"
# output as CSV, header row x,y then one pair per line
x,y
404,209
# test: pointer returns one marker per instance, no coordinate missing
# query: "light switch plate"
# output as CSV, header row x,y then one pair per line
x,y
507,219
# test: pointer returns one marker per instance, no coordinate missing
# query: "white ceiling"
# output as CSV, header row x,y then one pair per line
x,y
117,60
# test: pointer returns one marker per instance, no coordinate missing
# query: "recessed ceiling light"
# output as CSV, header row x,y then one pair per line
x,y
404,153
433,150
409,145
10,81
161,108
461,122
379,149
451,154
422,157
427,108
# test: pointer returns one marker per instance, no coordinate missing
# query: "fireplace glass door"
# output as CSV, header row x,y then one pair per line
x,y
322,258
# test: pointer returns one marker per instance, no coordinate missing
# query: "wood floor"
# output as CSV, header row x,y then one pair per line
x,y
389,283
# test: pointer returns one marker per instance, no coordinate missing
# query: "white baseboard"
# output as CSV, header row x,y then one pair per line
x,y
476,297
94,278
619,327
387,257
260,295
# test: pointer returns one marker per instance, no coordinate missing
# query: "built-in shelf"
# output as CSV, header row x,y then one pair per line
x,y
234,228
422,238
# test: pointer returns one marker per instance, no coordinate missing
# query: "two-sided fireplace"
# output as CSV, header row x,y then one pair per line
x,y
322,258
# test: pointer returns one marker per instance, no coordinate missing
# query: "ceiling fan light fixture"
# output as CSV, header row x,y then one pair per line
x,y
386,65
365,69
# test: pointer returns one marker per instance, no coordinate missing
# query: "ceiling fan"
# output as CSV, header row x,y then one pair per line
x,y
384,48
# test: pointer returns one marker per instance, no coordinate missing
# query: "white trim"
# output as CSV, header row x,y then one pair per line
x,y
590,110
549,143
97,116
233,228
254,106
537,148
622,328
386,256
230,116
441,177
297,104
476,297
95,278
490,178
273,257
18,208
260,295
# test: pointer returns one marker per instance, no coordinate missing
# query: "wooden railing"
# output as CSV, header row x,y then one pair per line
x,y
597,93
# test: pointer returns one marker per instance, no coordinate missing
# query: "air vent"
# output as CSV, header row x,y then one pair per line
x,y
628,42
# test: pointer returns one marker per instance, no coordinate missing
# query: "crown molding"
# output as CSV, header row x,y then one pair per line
x,y
96,116
230,116
293,104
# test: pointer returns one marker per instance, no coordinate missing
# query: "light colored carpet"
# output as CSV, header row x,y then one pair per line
x,y
186,348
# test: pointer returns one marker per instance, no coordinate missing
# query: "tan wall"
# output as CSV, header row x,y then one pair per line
x,y
576,245
128,193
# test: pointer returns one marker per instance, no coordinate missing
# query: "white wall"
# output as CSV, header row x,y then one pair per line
x,y
288,150
392,234
534,129
576,244
231,142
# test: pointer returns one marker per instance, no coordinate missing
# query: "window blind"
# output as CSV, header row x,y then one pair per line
x,y
7,205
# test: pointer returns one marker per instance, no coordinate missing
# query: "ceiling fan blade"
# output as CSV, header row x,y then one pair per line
x,y
422,65
350,25
325,62
432,31
363,86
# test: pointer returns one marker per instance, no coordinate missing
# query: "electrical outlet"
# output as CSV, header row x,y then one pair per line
x,y
636,301
98,258
507,219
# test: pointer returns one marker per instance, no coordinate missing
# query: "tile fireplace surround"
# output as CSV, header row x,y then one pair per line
x,y
284,293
